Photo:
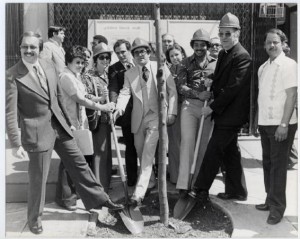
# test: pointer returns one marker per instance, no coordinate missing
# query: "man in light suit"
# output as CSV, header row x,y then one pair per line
x,y
141,83
53,49
33,92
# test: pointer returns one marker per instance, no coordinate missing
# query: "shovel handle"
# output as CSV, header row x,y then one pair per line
x,y
121,169
198,142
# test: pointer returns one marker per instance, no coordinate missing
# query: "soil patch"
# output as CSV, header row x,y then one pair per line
x,y
203,221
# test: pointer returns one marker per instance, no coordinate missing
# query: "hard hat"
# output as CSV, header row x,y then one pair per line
x,y
101,48
230,20
201,35
139,42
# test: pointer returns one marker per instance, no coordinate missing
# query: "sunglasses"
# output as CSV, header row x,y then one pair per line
x,y
141,52
104,57
31,47
225,34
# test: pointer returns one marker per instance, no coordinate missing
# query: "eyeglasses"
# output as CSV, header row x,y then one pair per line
x,y
225,34
25,47
103,58
141,52
217,45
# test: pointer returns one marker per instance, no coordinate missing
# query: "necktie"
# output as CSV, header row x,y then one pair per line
x,y
128,66
145,73
42,79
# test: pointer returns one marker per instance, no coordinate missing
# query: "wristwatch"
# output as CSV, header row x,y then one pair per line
x,y
283,125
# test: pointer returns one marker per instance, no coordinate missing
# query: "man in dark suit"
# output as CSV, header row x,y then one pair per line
x,y
116,81
33,92
230,108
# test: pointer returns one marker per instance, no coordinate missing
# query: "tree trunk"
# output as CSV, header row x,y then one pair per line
x,y
162,159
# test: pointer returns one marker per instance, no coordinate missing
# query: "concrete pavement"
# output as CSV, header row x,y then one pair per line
x,y
247,221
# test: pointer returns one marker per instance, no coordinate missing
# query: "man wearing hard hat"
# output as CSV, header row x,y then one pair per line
x,y
230,109
192,74
140,82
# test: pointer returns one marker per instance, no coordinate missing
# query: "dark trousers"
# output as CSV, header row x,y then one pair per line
x,y
130,154
90,191
275,159
222,149
293,153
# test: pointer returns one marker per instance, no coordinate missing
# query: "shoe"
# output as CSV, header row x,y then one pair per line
x,y
113,206
36,230
272,219
262,207
69,208
201,196
227,196
183,193
135,202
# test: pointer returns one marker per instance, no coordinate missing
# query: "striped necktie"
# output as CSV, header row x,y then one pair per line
x,y
42,78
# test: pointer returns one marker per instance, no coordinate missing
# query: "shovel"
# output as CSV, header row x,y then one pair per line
x,y
185,204
131,216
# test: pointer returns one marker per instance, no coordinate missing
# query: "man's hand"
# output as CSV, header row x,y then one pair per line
x,y
19,152
171,119
281,133
109,107
206,111
208,82
204,95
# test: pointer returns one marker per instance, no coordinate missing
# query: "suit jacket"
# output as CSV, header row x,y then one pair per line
x,y
116,81
25,96
231,87
132,86
51,50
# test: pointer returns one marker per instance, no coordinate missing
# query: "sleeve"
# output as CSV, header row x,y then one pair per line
x,y
125,94
238,78
289,75
69,85
12,111
46,52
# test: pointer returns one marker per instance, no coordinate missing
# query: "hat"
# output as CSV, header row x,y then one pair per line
x,y
215,40
138,42
201,35
101,48
100,39
230,20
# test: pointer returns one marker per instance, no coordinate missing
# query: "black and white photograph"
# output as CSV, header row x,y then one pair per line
x,y
150,119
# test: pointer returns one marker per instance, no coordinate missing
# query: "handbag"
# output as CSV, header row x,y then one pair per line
x,y
83,137
93,115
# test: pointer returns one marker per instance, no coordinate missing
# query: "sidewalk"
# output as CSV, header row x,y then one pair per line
x,y
247,221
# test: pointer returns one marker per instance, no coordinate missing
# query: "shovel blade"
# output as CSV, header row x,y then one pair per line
x,y
132,219
183,207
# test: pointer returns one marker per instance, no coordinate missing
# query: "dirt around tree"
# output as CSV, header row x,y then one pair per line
x,y
203,221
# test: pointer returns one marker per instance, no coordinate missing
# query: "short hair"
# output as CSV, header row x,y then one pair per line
x,y
33,34
168,34
87,49
177,47
122,41
55,29
100,39
277,31
73,52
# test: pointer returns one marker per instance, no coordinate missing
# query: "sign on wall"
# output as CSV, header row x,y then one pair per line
x,y
182,30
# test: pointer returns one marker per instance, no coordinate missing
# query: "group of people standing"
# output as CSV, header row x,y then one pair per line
x,y
56,91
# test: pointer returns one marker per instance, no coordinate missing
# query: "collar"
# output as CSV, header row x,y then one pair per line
x,y
230,50
54,42
278,60
147,66
208,57
30,66
67,70
128,62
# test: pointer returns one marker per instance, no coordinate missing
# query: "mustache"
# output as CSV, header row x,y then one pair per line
x,y
29,53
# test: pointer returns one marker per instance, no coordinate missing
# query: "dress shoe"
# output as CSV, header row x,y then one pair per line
x,y
36,230
227,196
262,207
272,219
183,193
113,206
135,202
201,196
